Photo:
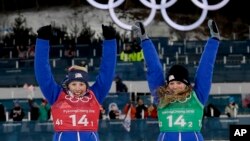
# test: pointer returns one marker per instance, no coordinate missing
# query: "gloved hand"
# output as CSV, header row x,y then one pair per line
x,y
108,32
45,32
139,31
214,32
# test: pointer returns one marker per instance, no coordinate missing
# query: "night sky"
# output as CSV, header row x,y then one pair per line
x,y
233,10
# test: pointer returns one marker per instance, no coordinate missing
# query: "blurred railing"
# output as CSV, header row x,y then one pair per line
x,y
113,130
121,99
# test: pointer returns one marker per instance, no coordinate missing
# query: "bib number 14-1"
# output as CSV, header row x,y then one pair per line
x,y
83,120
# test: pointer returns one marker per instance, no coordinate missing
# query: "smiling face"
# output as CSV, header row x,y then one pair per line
x,y
77,87
177,86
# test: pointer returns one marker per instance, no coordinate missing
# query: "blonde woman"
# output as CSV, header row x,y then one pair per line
x,y
179,104
75,106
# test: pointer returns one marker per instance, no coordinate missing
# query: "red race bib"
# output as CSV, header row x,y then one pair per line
x,y
76,114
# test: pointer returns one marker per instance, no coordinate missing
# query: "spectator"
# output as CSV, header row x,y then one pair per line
x,y
127,54
2,113
44,111
70,51
102,112
132,111
213,121
17,113
31,52
152,112
231,110
246,100
137,53
114,112
120,86
34,110
141,109
211,111
22,52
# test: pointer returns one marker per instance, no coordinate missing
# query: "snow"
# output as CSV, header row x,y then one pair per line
x,y
94,17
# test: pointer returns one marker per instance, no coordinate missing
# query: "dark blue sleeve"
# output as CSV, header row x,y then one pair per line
x,y
204,73
155,75
43,74
104,80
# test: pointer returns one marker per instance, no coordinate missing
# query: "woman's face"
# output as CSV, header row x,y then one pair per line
x,y
77,88
177,86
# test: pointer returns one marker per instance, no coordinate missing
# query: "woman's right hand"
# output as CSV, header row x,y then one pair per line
x,y
45,32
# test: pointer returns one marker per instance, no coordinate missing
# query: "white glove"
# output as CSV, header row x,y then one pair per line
x,y
139,31
214,32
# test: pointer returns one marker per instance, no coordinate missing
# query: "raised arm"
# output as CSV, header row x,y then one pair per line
x,y
204,74
106,74
43,74
155,75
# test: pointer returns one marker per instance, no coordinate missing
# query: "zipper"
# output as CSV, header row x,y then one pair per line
x,y
60,135
179,138
163,136
196,136
78,136
95,136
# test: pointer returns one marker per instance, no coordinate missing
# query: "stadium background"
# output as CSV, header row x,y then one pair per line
x,y
230,78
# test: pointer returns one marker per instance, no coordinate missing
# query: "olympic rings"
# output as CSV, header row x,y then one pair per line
x,y
210,7
156,6
185,27
126,26
77,99
182,101
105,6
162,7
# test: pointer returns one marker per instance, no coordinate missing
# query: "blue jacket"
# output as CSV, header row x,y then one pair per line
x,y
51,89
202,82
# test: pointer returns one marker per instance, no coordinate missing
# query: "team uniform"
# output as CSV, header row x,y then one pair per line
x,y
181,120
75,118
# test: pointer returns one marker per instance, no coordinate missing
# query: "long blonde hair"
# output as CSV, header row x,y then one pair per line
x,y
167,96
